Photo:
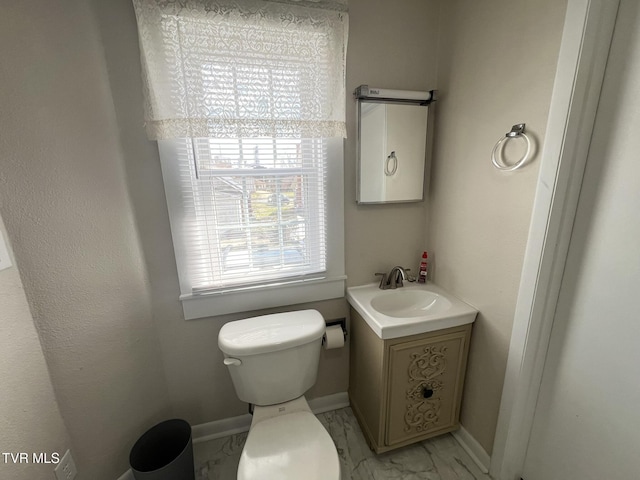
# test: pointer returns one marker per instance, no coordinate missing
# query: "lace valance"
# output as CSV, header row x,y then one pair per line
x,y
243,68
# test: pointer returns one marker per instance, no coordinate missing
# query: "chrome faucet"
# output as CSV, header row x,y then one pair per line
x,y
395,278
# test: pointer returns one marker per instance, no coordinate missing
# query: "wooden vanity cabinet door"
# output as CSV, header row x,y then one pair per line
x,y
425,386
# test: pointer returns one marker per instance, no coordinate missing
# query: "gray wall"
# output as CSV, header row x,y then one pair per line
x,y
404,35
30,420
68,214
497,62
391,45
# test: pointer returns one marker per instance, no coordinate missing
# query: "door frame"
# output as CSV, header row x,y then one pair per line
x,y
586,40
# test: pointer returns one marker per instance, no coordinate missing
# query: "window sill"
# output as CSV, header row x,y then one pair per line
x,y
268,296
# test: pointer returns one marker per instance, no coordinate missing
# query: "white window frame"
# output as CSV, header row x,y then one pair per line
x,y
312,288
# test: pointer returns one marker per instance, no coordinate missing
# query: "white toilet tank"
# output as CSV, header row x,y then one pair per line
x,y
273,358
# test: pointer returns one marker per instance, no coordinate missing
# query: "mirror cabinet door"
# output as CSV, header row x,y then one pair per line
x,y
391,145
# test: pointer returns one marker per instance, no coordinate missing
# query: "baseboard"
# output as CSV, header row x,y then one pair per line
x,y
473,448
127,476
229,426
328,403
220,428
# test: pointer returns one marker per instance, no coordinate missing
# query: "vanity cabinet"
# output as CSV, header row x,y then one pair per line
x,y
407,389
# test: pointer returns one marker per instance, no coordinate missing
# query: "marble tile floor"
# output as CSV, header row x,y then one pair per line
x,y
439,458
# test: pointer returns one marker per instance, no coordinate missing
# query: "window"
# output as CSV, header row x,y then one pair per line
x,y
246,100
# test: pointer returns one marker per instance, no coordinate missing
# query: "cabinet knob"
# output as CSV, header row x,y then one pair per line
x,y
427,392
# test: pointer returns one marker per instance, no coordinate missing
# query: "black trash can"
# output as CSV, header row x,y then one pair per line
x,y
164,452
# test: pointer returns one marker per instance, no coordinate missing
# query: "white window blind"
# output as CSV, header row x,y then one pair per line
x,y
254,209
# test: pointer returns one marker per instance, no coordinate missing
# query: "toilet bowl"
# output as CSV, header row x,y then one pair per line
x,y
289,444
273,361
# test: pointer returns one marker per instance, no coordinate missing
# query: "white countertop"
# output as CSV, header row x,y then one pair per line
x,y
445,311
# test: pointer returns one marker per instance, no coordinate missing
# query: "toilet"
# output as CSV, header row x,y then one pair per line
x,y
273,361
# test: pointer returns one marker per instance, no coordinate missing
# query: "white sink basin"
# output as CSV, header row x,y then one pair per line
x,y
409,310
406,303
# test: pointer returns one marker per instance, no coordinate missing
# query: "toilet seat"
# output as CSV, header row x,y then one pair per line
x,y
291,446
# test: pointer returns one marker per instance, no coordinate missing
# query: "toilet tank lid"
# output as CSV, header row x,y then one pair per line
x,y
271,333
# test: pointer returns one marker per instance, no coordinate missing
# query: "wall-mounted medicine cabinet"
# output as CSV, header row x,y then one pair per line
x,y
392,138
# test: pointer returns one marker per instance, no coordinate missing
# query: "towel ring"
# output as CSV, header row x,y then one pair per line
x,y
391,171
517,131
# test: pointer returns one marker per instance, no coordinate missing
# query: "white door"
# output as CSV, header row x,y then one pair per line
x,y
587,421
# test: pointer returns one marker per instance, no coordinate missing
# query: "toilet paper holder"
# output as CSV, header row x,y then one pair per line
x,y
338,321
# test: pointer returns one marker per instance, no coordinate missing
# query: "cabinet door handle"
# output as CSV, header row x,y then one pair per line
x,y
427,392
